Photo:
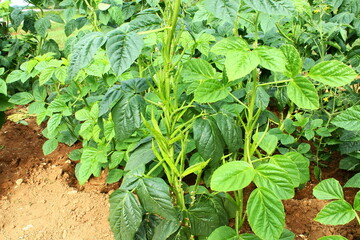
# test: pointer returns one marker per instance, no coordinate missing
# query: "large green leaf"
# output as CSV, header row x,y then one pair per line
x,y
223,9
271,58
42,26
353,182
208,140
230,45
21,98
303,93
210,90
122,49
232,176
144,22
272,7
53,123
303,165
127,116
84,52
230,131
165,229
239,64
207,214
125,214
141,155
223,233
332,73
294,62
349,119
336,213
198,69
328,189
276,179
155,197
112,96
265,214
289,166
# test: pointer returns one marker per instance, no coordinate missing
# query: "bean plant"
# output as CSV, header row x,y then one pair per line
x,y
205,111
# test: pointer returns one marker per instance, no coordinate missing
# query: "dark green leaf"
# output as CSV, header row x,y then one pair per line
x,y
230,131
21,98
223,9
208,140
127,116
84,52
122,49
354,181
125,214
165,229
112,96
155,197
114,176
42,26
206,215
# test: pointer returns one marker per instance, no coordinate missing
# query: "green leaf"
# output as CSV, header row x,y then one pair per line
x,y
208,140
334,237
338,212
144,22
271,58
114,176
232,176
198,69
303,165
70,27
42,26
207,214
328,189
69,13
155,197
141,155
249,236
165,229
125,214
210,90
21,98
131,179
353,182
112,96
223,233
116,14
303,93
84,52
293,60
332,73
268,143
348,119
46,75
265,214
223,9
122,49
287,235
230,45
275,179
357,201
289,166
272,7
239,64
53,123
230,131
49,146
14,76
82,115
127,116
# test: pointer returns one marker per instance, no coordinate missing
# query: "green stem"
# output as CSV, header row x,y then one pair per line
x,y
269,83
239,197
357,217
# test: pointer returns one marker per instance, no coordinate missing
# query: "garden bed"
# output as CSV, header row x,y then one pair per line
x,y
41,199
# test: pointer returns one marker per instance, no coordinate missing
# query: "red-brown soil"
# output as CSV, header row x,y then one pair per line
x,y
41,200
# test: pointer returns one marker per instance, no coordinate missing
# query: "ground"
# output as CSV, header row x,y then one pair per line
x,y
40,198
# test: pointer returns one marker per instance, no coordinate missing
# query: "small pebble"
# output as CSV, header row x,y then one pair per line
x,y
19,181
27,227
